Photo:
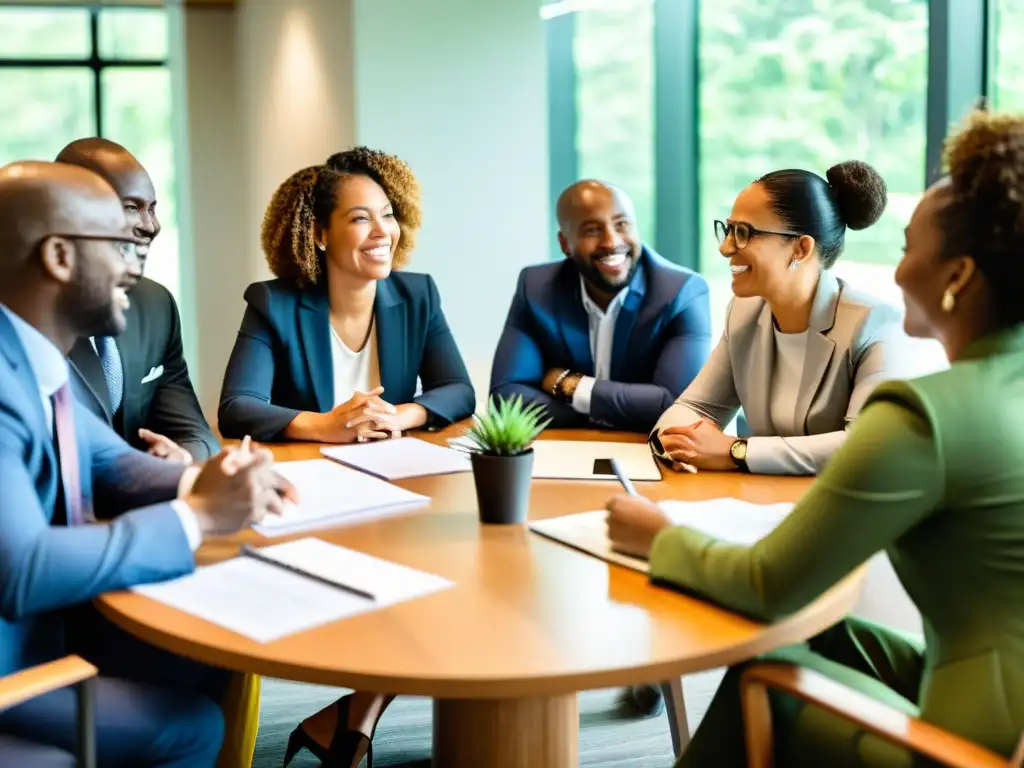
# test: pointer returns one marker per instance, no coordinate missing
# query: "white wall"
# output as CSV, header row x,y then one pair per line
x,y
457,88
269,91
211,188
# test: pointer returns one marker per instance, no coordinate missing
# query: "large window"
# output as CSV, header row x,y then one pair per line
x,y
613,53
1008,83
802,84
806,85
67,73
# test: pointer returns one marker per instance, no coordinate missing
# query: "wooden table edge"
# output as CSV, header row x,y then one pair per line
x,y
825,611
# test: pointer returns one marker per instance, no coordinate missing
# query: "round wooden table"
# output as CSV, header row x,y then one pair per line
x,y
528,625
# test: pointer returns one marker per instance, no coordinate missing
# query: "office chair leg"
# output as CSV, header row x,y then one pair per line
x,y
86,745
675,708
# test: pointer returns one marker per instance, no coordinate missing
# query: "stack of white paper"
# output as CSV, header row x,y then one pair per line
x,y
330,494
728,519
400,459
265,602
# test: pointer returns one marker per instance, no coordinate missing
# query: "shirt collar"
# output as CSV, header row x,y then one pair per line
x,y
48,364
591,306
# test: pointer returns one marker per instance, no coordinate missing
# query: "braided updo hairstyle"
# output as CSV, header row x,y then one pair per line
x,y
308,197
984,215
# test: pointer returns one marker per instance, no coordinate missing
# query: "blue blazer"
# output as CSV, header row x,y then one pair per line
x,y
44,567
662,338
281,364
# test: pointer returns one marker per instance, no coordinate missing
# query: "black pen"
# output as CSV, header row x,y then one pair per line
x,y
255,554
623,479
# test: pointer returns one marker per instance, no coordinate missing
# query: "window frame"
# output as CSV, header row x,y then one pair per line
x,y
960,74
94,62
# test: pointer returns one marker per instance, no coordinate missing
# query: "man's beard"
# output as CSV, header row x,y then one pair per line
x,y
594,276
90,307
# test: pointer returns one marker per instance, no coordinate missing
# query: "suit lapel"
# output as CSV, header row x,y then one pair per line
x,y
761,363
315,335
626,321
84,364
571,319
820,347
389,315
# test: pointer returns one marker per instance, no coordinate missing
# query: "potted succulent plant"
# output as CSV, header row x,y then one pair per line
x,y
499,444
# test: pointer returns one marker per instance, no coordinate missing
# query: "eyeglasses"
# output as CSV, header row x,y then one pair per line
x,y
742,232
126,246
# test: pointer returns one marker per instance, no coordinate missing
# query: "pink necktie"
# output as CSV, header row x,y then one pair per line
x,y
67,450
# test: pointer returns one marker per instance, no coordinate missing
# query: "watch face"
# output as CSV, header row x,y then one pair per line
x,y
739,450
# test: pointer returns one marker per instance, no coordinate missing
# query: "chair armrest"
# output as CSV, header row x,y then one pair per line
x,y
35,681
868,713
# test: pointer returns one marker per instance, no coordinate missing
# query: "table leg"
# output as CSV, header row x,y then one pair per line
x,y
506,733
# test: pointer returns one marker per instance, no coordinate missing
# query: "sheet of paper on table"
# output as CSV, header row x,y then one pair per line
x,y
331,494
399,459
265,603
728,519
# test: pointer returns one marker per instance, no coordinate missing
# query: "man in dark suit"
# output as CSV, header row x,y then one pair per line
x,y
612,335
139,382
64,250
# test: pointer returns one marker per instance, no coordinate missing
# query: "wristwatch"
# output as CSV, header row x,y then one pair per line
x,y
738,452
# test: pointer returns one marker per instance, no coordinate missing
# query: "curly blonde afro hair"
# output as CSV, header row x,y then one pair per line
x,y
984,215
306,200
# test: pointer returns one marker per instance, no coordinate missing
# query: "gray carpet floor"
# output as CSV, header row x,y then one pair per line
x,y
403,736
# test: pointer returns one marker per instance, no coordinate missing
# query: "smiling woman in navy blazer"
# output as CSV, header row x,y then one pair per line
x,y
332,350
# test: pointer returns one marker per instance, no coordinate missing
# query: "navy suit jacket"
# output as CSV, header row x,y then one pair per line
x,y
282,365
47,567
662,338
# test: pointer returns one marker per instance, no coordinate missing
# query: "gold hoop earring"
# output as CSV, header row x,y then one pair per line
x,y
948,301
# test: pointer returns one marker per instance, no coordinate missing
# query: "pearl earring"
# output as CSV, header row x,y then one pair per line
x,y
794,265
321,246
948,301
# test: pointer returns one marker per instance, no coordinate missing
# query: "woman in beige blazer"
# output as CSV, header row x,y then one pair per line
x,y
801,350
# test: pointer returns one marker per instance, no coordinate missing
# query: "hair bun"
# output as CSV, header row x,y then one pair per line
x,y
859,191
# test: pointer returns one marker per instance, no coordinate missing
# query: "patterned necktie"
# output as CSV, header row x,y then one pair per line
x,y
110,359
67,452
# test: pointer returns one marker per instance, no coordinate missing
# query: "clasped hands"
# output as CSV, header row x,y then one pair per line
x,y
701,445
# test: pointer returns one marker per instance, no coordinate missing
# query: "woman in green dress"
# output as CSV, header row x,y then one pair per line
x,y
933,473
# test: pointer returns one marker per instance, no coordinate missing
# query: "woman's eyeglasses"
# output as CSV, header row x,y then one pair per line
x,y
742,233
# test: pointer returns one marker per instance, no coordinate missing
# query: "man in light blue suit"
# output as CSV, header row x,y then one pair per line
x,y
64,245
611,336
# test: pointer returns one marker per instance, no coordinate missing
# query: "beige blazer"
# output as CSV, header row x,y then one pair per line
x,y
855,342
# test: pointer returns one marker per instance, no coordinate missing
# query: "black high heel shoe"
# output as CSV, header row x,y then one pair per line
x,y
347,747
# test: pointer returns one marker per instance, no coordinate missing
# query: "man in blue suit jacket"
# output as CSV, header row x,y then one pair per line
x,y
611,336
64,244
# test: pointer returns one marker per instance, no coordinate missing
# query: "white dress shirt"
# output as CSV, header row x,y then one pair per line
x,y
354,371
602,335
51,371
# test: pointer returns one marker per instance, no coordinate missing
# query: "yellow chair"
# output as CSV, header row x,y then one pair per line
x,y
898,727
241,707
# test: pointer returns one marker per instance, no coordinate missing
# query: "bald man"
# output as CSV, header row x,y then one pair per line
x,y
65,252
139,382
613,334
